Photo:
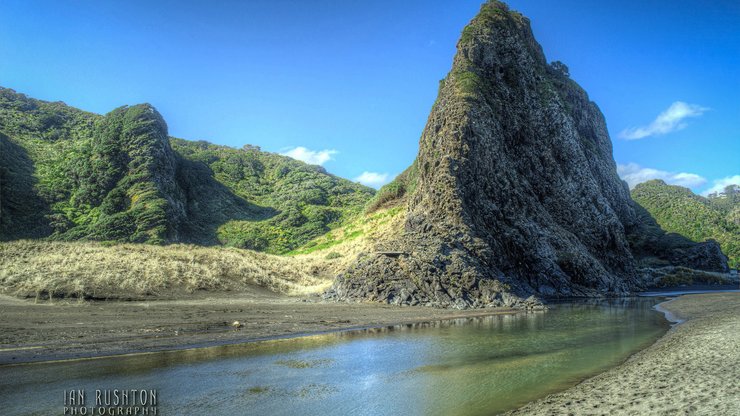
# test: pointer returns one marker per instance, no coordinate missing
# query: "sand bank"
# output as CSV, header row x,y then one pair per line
x,y
693,370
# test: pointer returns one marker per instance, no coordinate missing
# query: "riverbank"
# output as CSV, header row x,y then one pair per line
x,y
68,329
693,369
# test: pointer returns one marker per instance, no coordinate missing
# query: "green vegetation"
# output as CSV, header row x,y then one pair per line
x,y
490,12
468,82
32,130
118,189
372,224
23,210
678,210
392,193
71,175
727,201
467,34
299,202
329,240
493,10
91,177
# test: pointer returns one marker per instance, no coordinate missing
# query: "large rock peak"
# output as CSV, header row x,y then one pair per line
x,y
517,190
515,154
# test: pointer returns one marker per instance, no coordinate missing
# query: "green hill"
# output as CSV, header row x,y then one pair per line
x,y
678,210
66,174
293,201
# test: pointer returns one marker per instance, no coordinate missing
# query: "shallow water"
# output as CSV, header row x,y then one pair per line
x,y
471,366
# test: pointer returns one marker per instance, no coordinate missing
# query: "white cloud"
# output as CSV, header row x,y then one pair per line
x,y
632,173
313,157
669,120
720,184
373,179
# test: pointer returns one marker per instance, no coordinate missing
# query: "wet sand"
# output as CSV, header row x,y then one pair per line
x,y
693,370
31,332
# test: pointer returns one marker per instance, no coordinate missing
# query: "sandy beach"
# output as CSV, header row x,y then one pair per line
x,y
693,370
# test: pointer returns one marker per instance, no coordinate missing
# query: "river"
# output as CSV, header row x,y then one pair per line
x,y
471,366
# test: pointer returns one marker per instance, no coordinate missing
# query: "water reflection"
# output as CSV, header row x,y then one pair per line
x,y
468,366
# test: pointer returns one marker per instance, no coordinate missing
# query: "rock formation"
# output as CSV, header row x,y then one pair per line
x,y
516,188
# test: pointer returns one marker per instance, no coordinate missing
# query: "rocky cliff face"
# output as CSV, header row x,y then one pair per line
x,y
516,189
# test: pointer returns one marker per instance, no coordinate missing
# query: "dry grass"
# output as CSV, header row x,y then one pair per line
x,y
45,269
56,269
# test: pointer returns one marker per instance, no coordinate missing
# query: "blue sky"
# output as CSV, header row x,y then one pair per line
x,y
349,84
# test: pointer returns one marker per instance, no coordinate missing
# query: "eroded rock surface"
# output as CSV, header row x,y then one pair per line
x,y
517,191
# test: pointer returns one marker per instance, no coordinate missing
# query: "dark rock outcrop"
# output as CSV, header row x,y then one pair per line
x,y
702,256
655,248
516,189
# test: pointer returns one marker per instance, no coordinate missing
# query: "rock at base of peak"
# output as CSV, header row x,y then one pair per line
x,y
706,256
440,277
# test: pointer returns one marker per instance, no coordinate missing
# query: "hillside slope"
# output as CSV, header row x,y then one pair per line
x,y
71,175
294,202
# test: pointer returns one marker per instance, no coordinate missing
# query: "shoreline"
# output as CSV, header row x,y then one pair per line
x,y
72,331
147,335
235,342
669,316
693,369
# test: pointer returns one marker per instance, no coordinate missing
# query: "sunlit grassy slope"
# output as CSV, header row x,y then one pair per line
x,y
45,269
